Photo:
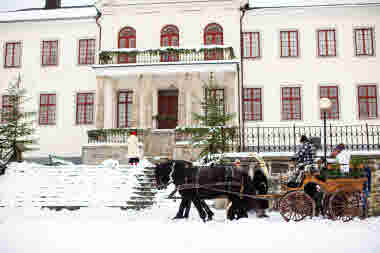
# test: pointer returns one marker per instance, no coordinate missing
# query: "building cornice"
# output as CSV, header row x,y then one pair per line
x,y
43,15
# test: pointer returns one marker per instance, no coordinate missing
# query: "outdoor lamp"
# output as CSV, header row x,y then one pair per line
x,y
325,105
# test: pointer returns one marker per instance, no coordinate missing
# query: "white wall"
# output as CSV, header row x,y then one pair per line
x,y
308,70
64,138
190,17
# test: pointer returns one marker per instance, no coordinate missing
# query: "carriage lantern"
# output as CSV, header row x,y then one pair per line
x,y
325,105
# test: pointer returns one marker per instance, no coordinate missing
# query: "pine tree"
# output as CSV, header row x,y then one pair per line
x,y
215,136
17,125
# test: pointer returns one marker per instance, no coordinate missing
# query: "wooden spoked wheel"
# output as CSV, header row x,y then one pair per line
x,y
296,205
345,206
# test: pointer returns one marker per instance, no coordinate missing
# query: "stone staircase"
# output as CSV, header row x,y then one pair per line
x,y
143,195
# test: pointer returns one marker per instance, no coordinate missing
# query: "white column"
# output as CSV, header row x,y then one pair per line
x,y
108,104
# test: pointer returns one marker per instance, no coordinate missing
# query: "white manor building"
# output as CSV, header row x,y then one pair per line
x,y
143,64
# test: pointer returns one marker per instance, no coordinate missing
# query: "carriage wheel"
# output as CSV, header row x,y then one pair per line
x,y
296,205
345,206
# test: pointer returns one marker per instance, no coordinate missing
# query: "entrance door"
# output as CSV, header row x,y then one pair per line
x,y
167,109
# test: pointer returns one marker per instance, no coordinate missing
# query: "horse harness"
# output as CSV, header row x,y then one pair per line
x,y
228,183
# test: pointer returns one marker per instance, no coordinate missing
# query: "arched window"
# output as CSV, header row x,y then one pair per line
x,y
127,39
169,38
213,35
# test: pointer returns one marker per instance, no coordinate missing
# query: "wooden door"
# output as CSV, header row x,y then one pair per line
x,y
167,109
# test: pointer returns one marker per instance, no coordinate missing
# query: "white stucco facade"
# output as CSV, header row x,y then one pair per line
x,y
310,71
269,72
65,80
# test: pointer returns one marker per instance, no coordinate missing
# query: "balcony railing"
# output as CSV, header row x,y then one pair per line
x,y
116,135
166,54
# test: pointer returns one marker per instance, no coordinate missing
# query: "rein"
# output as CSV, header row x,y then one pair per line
x,y
210,187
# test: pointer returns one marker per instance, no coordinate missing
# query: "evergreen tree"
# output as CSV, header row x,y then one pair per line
x,y
17,125
215,136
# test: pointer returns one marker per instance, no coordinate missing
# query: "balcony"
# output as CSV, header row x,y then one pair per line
x,y
166,55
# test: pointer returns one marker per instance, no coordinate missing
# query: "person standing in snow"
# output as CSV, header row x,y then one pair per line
x,y
133,149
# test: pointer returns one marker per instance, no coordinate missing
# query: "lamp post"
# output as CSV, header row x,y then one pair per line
x,y
244,6
325,105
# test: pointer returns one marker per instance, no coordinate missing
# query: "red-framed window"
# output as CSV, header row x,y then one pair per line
x,y
213,35
85,108
251,45
367,100
291,103
127,39
364,44
252,104
326,43
124,109
86,52
6,111
289,43
169,38
332,93
12,54
47,109
50,53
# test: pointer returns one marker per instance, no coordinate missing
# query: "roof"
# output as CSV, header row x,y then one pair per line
x,y
66,13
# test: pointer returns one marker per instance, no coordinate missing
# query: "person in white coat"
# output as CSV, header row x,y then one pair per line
x,y
133,149
342,157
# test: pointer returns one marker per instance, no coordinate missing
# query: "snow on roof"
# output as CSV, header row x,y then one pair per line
x,y
44,15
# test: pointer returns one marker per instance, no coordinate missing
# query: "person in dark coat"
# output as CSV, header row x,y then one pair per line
x,y
303,157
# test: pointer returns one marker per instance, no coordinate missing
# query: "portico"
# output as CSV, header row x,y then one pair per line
x,y
159,96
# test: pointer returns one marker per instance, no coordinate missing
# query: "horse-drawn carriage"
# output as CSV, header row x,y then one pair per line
x,y
340,198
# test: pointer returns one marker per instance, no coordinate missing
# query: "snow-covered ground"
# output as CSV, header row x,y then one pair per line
x,y
111,230
100,230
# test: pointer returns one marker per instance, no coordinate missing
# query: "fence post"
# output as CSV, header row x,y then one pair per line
x,y
258,139
331,137
366,131
294,138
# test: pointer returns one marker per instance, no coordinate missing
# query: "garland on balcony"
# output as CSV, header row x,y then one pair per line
x,y
106,56
113,131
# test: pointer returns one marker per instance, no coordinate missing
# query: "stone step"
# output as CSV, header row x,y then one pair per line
x,y
140,203
145,193
148,198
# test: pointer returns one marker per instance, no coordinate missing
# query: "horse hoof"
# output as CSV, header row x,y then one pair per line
x,y
177,217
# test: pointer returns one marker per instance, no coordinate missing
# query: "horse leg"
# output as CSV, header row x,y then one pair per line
x,y
207,209
182,206
230,210
187,209
198,205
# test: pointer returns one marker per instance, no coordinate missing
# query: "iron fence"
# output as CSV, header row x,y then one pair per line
x,y
285,139
362,137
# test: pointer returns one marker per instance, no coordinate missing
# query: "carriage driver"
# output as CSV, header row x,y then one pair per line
x,y
303,157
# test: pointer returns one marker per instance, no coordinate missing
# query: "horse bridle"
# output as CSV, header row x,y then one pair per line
x,y
160,184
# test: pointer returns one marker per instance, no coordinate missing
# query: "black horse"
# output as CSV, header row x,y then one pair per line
x,y
215,181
